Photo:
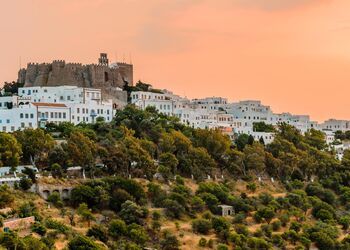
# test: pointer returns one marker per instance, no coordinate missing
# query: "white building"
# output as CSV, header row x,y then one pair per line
x,y
36,106
232,118
336,125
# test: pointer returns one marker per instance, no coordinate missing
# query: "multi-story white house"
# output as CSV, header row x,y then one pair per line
x,y
336,125
232,118
36,106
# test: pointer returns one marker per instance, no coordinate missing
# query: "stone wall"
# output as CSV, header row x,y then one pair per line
x,y
19,223
58,73
46,190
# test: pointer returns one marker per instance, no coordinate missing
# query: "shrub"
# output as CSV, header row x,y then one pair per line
x,y
324,215
345,222
266,213
131,213
202,242
296,226
56,225
239,218
220,224
117,228
82,242
251,186
222,247
118,197
201,226
284,218
197,204
276,225
173,209
39,228
277,240
25,183
137,234
241,229
98,232
169,241
55,199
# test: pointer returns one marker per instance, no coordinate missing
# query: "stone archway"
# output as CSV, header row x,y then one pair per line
x,y
46,193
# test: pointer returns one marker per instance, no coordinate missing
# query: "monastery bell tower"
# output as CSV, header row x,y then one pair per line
x,y
103,60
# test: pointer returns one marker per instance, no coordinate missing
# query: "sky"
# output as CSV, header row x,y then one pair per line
x,y
293,55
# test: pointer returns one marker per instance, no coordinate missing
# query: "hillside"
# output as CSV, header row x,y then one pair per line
x,y
152,182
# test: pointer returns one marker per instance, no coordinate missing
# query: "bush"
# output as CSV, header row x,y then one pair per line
x,y
25,183
82,242
39,228
201,226
98,232
277,240
117,228
324,215
202,242
222,247
241,229
173,209
137,234
58,226
169,241
284,218
296,226
131,213
266,213
220,224
251,186
276,225
55,199
118,197
239,218
345,222
197,204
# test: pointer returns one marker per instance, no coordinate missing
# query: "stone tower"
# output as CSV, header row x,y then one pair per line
x,y
103,60
57,73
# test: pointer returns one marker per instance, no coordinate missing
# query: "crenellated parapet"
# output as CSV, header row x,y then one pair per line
x,y
59,72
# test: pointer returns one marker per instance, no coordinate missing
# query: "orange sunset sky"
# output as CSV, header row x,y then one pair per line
x,y
292,54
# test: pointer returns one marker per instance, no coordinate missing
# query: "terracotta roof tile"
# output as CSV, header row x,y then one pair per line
x,y
46,104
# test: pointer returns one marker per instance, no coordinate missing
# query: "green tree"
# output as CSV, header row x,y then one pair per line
x,y
316,138
170,161
85,213
169,241
263,127
25,183
131,213
36,144
10,150
117,228
82,151
241,141
201,226
56,170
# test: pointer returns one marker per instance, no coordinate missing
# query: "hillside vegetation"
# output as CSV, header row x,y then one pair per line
x,y
123,206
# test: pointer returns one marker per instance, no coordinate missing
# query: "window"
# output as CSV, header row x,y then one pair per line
x,y
21,115
27,116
